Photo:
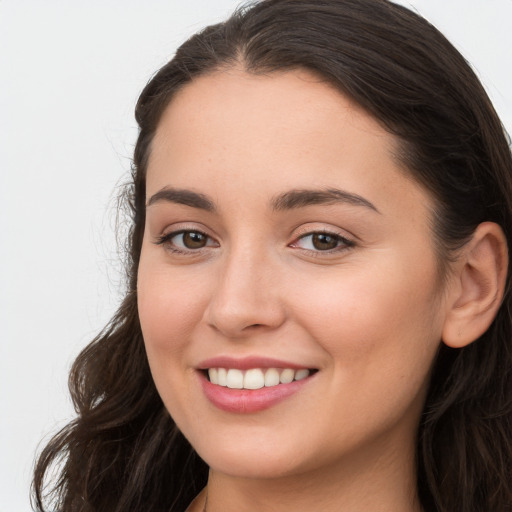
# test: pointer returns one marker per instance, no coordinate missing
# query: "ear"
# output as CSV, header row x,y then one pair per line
x,y
478,287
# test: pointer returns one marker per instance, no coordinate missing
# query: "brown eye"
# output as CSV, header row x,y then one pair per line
x,y
186,240
194,239
320,241
324,241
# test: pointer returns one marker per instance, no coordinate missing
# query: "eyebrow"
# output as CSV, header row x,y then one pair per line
x,y
288,201
182,196
301,198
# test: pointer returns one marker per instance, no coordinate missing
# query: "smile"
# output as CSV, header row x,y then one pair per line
x,y
251,385
255,378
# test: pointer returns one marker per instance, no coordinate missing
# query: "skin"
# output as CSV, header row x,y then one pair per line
x,y
368,316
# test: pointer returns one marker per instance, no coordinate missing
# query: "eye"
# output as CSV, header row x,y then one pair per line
x,y
186,240
190,240
322,241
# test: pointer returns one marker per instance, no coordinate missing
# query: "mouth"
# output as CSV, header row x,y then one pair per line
x,y
255,378
252,384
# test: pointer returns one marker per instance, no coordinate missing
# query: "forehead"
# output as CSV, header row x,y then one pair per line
x,y
212,104
234,130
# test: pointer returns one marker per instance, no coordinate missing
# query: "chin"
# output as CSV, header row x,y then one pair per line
x,y
251,468
246,460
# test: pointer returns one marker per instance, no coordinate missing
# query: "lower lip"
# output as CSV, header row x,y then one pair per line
x,y
246,401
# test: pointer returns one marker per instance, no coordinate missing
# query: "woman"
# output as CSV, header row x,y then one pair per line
x,y
318,315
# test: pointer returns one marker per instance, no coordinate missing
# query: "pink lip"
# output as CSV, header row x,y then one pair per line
x,y
246,363
246,401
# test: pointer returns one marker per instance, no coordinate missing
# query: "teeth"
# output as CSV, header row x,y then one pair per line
x,y
271,377
255,378
301,374
222,377
213,373
235,379
286,376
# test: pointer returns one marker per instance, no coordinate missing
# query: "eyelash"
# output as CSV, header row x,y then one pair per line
x,y
343,243
165,240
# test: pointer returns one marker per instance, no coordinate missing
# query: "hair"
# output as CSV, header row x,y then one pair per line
x,y
123,451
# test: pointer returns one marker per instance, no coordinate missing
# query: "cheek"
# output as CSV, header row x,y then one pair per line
x,y
170,307
382,328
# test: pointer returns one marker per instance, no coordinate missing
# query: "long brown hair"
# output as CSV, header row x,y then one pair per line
x,y
123,451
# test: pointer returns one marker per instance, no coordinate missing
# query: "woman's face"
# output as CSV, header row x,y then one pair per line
x,y
282,237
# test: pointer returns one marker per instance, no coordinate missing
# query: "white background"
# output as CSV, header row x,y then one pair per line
x,y
70,73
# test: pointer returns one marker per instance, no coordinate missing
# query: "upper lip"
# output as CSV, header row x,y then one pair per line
x,y
246,363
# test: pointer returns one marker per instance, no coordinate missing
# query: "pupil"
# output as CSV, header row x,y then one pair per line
x,y
194,240
324,242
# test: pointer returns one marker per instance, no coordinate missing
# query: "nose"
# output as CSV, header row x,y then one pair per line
x,y
247,296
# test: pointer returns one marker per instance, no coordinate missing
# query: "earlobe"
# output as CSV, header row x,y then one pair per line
x,y
481,272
